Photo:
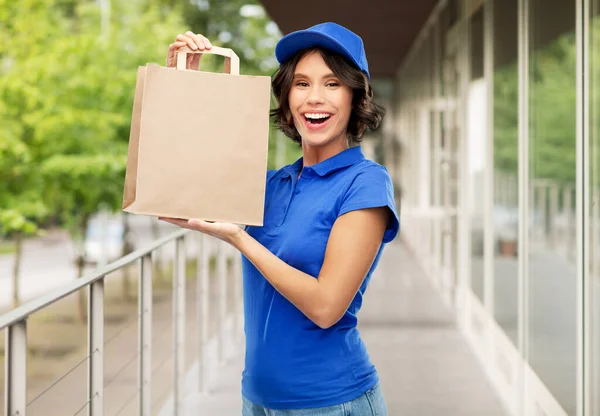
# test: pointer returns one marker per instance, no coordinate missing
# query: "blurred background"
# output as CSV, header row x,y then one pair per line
x,y
67,76
488,302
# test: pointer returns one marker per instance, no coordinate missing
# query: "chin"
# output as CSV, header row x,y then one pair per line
x,y
316,141
321,139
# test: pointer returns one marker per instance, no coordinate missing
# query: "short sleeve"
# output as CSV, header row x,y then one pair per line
x,y
373,188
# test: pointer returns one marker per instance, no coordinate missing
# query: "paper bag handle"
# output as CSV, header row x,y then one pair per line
x,y
232,62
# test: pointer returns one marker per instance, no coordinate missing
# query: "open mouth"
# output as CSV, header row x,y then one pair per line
x,y
316,118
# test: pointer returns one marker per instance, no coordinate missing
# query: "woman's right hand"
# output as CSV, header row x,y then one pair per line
x,y
193,41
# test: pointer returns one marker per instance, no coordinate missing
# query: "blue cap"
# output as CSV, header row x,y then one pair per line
x,y
330,36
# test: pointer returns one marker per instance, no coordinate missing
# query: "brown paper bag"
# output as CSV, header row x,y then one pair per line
x,y
198,143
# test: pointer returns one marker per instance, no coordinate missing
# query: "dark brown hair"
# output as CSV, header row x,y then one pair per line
x,y
365,113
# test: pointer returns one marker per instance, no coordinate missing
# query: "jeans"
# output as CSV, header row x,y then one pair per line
x,y
371,403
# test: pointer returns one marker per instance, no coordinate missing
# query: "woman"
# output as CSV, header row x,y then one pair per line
x,y
327,218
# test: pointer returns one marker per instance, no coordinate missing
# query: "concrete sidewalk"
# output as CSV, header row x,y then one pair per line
x,y
425,365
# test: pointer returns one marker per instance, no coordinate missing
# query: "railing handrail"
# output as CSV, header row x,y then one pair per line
x,y
34,305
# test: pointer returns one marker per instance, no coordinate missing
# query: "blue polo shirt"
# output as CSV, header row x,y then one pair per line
x,y
291,363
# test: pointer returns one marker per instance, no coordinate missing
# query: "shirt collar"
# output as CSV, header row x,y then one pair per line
x,y
342,160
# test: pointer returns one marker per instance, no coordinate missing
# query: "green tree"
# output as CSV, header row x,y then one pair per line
x,y
22,207
553,111
506,119
87,172
66,93
552,117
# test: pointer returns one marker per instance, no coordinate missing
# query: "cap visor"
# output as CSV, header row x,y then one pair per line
x,y
294,42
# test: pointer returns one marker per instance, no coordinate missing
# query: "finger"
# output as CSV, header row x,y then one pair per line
x,y
176,45
204,226
175,221
189,41
199,225
206,42
199,40
174,50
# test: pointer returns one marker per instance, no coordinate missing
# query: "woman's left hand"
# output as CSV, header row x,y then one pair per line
x,y
221,230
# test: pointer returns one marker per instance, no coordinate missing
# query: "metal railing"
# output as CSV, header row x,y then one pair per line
x,y
15,323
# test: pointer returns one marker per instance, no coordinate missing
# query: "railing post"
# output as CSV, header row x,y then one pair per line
x,y
222,297
202,308
16,369
145,335
96,348
179,327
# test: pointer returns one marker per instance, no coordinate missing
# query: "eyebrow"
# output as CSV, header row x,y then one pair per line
x,y
300,75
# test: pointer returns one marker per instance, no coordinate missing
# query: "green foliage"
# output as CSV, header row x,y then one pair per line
x,y
92,181
65,104
23,217
67,77
552,113
506,119
21,205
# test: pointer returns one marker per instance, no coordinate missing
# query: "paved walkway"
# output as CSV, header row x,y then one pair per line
x,y
425,365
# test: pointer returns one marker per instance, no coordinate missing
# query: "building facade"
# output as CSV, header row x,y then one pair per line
x,y
496,112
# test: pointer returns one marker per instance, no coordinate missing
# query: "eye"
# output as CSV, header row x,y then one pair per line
x,y
333,84
302,84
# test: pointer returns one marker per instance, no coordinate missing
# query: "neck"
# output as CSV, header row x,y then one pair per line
x,y
311,155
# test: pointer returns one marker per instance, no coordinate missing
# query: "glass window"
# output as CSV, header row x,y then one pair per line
x,y
505,214
552,273
594,207
476,133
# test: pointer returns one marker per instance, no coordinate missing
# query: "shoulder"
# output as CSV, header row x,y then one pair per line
x,y
371,187
372,177
370,169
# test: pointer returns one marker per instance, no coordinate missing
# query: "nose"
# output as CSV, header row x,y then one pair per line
x,y
315,96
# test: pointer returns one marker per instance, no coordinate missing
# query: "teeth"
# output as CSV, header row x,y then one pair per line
x,y
315,116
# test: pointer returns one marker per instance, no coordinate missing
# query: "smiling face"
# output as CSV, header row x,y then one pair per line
x,y
319,103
